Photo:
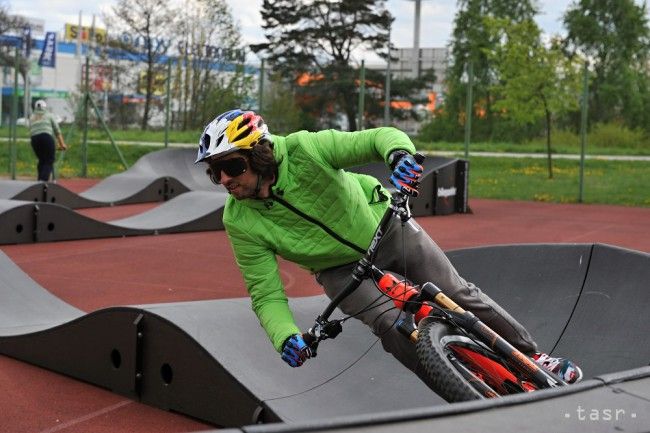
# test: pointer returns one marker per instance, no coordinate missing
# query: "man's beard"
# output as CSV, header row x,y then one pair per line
x,y
240,191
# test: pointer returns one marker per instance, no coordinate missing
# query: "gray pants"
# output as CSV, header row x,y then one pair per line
x,y
425,261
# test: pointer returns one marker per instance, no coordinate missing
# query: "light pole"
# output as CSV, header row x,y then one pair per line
x,y
387,86
468,106
416,39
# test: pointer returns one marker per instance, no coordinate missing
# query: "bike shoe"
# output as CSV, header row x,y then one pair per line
x,y
564,368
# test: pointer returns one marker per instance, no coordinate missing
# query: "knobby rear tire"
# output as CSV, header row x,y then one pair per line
x,y
443,375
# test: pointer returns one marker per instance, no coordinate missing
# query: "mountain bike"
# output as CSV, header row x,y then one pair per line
x,y
463,358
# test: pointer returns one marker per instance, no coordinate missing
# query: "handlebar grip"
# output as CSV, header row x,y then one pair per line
x,y
309,339
312,342
419,158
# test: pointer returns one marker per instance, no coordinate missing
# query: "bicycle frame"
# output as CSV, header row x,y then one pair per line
x,y
409,299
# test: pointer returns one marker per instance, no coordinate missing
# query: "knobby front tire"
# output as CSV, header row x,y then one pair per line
x,y
462,369
447,381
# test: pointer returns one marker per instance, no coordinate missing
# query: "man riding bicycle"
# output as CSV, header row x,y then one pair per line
x,y
291,197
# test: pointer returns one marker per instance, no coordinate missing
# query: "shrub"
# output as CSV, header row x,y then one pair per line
x,y
441,128
616,135
563,137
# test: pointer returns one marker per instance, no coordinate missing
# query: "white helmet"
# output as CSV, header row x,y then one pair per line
x,y
231,131
40,105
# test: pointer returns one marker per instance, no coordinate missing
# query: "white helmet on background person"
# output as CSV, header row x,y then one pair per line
x,y
40,105
231,131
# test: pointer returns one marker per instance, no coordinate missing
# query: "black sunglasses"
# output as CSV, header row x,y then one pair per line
x,y
232,167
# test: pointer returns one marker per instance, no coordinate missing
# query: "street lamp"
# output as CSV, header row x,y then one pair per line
x,y
416,38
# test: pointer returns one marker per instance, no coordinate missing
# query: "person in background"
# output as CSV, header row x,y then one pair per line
x,y
44,131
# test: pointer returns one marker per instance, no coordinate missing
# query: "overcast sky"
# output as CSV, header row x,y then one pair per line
x,y
437,17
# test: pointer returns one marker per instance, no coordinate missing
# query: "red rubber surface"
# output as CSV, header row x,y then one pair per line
x,y
93,274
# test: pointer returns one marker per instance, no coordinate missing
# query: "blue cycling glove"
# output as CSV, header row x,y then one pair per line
x,y
406,173
295,351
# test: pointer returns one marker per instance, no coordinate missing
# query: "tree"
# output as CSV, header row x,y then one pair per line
x,y
210,72
149,21
536,81
280,110
408,96
614,36
223,93
313,40
470,42
11,24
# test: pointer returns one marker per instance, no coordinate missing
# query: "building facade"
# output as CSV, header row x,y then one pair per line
x,y
62,85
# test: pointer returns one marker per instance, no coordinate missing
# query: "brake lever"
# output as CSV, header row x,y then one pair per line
x,y
311,341
321,331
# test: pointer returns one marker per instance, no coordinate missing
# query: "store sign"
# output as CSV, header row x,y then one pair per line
x,y
38,93
157,45
184,49
211,52
72,33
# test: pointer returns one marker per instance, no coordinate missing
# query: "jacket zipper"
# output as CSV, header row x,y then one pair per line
x,y
318,223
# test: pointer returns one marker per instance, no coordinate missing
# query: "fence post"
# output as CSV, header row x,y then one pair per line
x,y
387,86
362,94
14,116
583,127
84,143
168,100
468,107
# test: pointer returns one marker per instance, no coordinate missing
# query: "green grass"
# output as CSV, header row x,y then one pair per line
x,y
564,144
611,182
606,182
103,160
135,135
533,147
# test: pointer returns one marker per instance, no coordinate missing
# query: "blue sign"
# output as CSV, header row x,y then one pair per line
x,y
48,56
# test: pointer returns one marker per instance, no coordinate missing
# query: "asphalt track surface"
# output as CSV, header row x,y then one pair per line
x,y
95,274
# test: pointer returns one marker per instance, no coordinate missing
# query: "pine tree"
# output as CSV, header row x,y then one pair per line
x,y
312,42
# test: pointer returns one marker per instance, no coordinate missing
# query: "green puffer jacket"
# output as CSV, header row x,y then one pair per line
x,y
318,215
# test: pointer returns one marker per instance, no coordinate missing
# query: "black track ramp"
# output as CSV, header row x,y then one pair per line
x,y
211,359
